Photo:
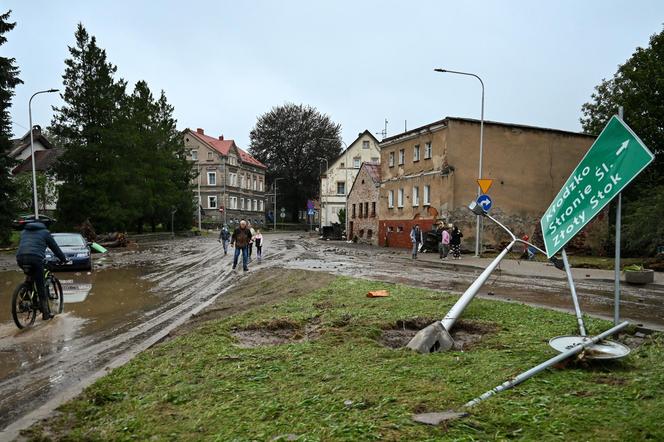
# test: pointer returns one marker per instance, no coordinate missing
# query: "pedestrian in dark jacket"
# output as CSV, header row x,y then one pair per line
x,y
240,240
35,238
224,238
415,239
455,242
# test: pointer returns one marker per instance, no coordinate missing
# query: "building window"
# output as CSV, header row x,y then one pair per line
x,y
212,178
427,150
232,161
212,202
360,211
255,205
342,165
255,184
416,153
391,160
194,155
400,198
260,185
390,229
373,209
427,195
366,210
241,181
402,157
369,233
399,229
390,199
416,196
233,202
375,160
341,188
353,211
241,203
209,156
357,162
261,206
365,144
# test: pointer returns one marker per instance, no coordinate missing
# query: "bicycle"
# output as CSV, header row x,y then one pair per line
x,y
25,300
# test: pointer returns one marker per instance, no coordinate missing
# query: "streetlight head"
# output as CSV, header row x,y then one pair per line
x,y
53,90
440,70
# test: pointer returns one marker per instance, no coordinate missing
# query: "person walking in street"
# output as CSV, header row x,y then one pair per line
x,y
240,240
225,238
258,241
35,238
444,243
250,247
455,242
416,239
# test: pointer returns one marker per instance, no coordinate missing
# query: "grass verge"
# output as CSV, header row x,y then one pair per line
x,y
344,385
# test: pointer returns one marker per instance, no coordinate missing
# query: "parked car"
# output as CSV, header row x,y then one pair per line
x,y
75,248
22,220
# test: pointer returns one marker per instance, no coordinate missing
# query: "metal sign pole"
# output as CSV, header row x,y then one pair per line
x,y
616,300
575,299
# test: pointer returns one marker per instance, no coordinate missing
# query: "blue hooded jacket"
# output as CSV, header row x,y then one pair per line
x,y
35,237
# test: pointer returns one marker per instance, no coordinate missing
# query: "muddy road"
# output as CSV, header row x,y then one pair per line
x,y
134,298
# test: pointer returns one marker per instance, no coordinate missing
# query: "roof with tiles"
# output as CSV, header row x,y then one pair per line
x,y
373,170
224,146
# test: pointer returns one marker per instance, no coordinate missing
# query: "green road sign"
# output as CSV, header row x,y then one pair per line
x,y
616,157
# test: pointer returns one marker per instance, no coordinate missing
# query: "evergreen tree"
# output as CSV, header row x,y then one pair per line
x,y
8,81
91,125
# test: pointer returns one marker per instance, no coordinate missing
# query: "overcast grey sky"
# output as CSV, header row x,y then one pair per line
x,y
223,63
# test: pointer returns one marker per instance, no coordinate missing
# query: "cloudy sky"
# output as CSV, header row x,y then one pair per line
x,y
223,63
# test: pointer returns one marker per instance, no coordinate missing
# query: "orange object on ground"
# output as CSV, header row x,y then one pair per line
x,y
378,294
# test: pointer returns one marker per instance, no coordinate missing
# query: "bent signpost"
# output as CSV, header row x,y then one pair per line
x,y
616,157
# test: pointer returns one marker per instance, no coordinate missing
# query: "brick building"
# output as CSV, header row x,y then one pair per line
x,y
229,179
363,204
429,174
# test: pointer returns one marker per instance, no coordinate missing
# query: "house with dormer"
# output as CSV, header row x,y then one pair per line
x,y
230,182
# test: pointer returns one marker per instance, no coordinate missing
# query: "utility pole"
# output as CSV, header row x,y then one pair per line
x,y
32,151
200,203
275,203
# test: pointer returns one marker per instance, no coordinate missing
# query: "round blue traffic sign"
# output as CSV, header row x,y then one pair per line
x,y
484,201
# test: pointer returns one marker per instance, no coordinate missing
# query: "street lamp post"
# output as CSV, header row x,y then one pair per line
x,y
478,219
275,203
200,203
32,151
327,215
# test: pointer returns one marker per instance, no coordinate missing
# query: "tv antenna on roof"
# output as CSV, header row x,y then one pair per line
x,y
383,133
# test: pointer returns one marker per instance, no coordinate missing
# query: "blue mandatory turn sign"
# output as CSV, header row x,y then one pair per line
x,y
310,212
484,201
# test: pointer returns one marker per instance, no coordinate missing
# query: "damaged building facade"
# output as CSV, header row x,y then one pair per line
x,y
429,174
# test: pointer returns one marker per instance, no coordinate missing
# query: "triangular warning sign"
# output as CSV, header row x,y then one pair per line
x,y
485,184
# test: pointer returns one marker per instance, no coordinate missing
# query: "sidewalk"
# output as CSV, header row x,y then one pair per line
x,y
531,268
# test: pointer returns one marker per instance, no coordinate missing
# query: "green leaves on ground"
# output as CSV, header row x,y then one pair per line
x,y
346,386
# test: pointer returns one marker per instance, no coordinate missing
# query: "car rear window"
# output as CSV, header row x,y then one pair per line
x,y
69,240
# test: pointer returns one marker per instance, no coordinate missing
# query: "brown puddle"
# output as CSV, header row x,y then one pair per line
x,y
99,301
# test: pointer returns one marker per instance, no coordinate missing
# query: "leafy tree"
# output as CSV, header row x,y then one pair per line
x,y
8,81
46,191
291,140
638,86
342,217
91,127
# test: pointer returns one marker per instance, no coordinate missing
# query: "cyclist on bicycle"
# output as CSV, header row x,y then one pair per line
x,y
31,253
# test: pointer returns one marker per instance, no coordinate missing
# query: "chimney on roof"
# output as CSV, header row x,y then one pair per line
x,y
221,137
200,131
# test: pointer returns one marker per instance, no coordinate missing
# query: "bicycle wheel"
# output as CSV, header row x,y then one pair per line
x,y
55,297
23,310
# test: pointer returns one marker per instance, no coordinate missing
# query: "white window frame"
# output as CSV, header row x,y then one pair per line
x,y
210,156
260,185
194,155
426,196
241,203
357,162
255,206
344,184
261,206
365,144
416,153
212,201
390,199
416,196
400,195
390,161
212,182
234,202
402,157
427,150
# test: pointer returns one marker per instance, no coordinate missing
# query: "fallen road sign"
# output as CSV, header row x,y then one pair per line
x,y
616,157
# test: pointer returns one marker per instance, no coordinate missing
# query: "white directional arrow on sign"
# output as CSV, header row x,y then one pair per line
x,y
622,147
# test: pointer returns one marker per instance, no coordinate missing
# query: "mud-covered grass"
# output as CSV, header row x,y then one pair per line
x,y
346,385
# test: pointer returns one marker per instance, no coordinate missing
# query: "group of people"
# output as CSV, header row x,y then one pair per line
x,y
243,238
449,239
